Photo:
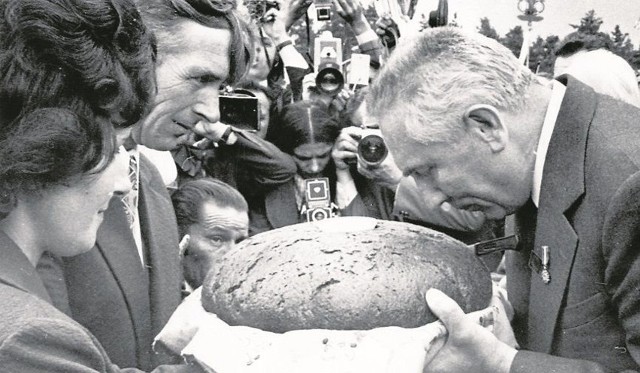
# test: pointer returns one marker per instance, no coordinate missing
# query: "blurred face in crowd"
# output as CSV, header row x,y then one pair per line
x,y
263,59
72,212
470,173
312,158
189,76
218,231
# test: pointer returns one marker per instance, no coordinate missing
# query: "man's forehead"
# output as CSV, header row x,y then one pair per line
x,y
212,215
399,141
194,39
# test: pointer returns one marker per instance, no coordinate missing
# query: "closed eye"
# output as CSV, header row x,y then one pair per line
x,y
206,79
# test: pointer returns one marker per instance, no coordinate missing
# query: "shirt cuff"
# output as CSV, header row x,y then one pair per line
x,y
366,37
292,58
345,193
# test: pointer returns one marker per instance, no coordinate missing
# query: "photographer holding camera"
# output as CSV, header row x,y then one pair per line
x,y
306,132
369,189
277,63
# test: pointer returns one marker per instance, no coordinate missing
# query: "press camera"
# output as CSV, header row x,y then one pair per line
x,y
240,109
323,9
328,63
317,202
371,148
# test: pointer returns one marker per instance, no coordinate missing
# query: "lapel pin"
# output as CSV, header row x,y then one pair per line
x,y
544,273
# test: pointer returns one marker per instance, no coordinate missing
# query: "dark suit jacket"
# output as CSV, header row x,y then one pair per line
x,y
36,337
373,200
588,315
109,292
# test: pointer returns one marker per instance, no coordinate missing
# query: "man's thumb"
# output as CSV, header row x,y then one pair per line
x,y
445,308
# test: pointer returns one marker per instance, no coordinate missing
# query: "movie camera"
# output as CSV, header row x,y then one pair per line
x,y
328,63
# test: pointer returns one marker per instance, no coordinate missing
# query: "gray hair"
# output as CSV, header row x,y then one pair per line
x,y
432,79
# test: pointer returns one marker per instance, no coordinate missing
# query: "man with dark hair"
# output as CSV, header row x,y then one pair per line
x,y
468,121
215,218
127,287
201,46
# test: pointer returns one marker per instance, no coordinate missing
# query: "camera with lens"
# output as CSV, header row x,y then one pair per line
x,y
371,148
323,9
317,200
328,63
240,109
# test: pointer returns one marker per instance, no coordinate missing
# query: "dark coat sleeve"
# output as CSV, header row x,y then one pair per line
x,y
267,165
61,346
373,200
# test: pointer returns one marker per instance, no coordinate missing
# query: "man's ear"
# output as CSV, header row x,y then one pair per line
x,y
485,122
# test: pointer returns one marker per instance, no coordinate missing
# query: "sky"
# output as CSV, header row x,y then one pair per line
x,y
557,15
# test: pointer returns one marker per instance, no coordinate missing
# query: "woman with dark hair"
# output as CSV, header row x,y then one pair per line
x,y
306,132
94,56
58,172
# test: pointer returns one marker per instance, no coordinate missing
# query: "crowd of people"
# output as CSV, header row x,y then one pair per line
x,y
100,241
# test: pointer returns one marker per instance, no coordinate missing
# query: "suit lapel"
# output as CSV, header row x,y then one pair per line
x,y
280,205
562,186
159,232
116,245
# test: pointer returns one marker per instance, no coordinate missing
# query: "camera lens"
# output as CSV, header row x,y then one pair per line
x,y
329,79
372,149
319,214
330,83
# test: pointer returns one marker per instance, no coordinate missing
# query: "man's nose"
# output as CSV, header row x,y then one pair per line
x,y
315,166
207,105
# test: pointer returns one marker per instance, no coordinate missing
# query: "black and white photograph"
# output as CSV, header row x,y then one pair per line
x,y
319,186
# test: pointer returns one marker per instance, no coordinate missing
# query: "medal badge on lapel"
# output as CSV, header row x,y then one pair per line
x,y
539,261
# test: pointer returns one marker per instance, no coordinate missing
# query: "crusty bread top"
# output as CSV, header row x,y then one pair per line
x,y
338,275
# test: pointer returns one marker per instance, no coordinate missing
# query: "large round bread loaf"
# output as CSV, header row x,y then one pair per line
x,y
343,273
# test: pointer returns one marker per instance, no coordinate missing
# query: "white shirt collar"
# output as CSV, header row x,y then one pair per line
x,y
557,94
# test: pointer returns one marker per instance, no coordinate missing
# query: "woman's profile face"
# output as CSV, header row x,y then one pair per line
x,y
312,158
69,214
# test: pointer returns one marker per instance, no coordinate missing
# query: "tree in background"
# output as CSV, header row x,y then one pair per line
x,y
589,24
513,40
541,52
621,45
487,30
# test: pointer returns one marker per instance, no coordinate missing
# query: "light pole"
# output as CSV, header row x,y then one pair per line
x,y
530,10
